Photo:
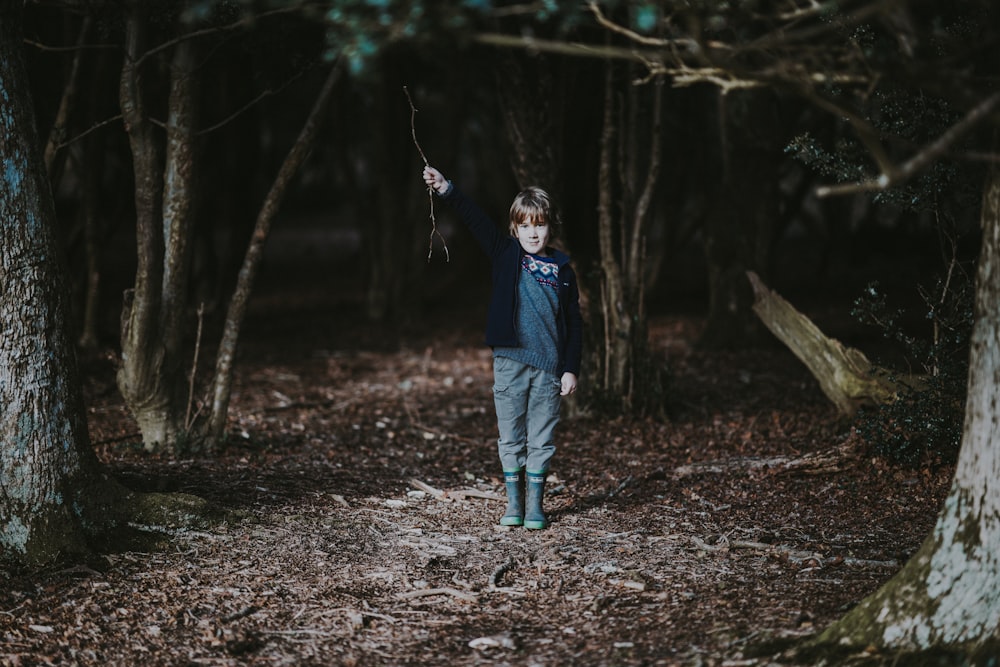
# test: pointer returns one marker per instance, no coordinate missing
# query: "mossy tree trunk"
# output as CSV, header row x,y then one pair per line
x,y
948,594
53,493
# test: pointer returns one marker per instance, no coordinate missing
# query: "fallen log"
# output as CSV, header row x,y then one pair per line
x,y
845,374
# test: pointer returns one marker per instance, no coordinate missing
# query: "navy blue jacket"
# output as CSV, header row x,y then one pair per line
x,y
505,254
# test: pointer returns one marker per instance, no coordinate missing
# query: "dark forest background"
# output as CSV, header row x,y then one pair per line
x,y
729,173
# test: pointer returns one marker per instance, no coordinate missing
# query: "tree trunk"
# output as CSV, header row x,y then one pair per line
x,y
525,95
140,377
91,160
48,471
622,361
844,374
947,595
58,133
153,320
215,427
742,213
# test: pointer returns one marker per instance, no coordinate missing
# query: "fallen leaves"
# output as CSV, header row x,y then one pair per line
x,y
364,502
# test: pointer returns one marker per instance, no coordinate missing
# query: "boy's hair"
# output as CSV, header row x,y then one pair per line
x,y
536,204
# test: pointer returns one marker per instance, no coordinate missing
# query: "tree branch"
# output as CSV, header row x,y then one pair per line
x,y
892,176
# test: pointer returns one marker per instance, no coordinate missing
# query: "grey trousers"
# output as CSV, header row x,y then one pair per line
x,y
527,402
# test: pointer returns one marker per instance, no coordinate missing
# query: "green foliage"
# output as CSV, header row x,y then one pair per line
x,y
927,423
355,30
843,163
905,120
922,425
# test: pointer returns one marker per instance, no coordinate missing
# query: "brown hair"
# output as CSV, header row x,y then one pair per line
x,y
534,203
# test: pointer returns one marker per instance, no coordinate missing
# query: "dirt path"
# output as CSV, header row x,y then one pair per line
x,y
355,540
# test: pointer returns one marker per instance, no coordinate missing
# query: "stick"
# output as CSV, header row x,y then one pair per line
x,y
474,493
427,592
430,192
194,365
499,572
427,488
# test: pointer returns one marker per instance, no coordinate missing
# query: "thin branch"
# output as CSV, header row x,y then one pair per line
x,y
892,176
429,592
214,30
653,60
194,365
76,47
601,19
266,93
866,133
413,127
799,13
222,384
563,48
89,130
430,191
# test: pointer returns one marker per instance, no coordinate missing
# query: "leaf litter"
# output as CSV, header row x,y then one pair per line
x,y
364,494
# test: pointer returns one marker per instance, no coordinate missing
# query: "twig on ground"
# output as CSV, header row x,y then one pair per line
x,y
428,592
427,488
434,431
474,493
459,494
243,613
621,487
795,556
499,572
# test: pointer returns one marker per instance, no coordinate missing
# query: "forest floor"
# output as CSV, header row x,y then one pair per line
x,y
362,492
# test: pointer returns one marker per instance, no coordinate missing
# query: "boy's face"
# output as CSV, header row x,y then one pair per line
x,y
533,235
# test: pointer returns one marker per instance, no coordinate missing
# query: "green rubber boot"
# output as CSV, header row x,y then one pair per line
x,y
514,481
534,518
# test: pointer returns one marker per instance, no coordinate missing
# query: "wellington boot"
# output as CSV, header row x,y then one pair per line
x,y
514,482
534,518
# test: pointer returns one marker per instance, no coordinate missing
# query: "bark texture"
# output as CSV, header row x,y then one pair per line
x,y
140,377
948,594
627,179
45,457
153,319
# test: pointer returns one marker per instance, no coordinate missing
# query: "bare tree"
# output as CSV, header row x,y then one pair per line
x,y
214,430
630,167
150,377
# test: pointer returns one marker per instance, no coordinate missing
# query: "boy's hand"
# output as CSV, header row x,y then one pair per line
x,y
435,180
568,384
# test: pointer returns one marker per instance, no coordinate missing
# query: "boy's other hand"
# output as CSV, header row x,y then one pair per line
x,y
568,384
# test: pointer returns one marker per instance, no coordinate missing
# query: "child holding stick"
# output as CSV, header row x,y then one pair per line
x,y
536,331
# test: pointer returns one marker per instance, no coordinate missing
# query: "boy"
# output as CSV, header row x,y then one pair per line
x,y
536,332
